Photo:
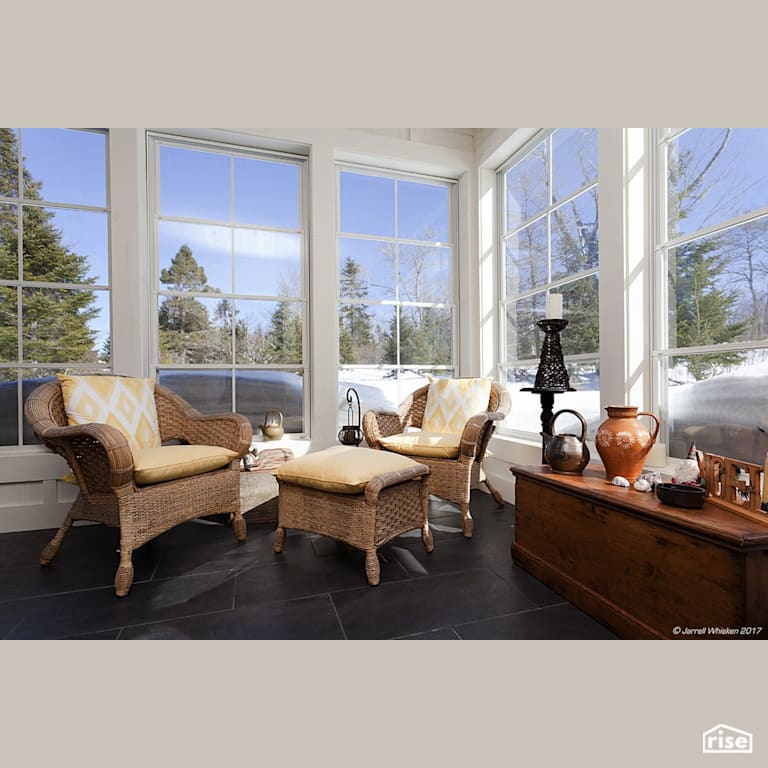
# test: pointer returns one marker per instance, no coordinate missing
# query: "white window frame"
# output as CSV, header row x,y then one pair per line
x,y
502,234
659,138
155,140
452,244
19,365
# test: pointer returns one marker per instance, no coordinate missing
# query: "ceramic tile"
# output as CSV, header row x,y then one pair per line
x,y
417,605
310,618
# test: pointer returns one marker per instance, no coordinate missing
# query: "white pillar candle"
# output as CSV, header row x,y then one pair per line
x,y
554,306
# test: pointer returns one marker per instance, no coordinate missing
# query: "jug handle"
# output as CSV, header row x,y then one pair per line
x,y
655,418
578,416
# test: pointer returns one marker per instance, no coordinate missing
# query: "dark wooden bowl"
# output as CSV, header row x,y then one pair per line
x,y
689,496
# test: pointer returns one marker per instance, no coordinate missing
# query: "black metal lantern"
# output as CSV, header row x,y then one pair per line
x,y
351,434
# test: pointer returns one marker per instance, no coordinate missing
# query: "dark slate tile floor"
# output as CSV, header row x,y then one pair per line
x,y
197,582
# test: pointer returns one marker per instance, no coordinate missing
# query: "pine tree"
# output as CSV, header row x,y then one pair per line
x,y
186,334
702,308
283,341
184,313
55,321
356,340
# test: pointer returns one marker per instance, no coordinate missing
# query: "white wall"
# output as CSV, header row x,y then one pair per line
x,y
30,495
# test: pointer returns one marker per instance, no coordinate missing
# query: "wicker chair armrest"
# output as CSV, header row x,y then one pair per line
x,y
377,484
98,454
228,430
180,421
474,436
378,424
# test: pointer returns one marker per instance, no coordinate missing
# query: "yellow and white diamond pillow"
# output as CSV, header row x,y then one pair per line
x,y
125,403
450,402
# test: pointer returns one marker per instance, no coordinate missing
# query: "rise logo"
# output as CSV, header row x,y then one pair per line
x,y
725,738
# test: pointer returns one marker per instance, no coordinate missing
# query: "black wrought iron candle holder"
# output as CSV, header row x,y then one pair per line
x,y
552,375
351,434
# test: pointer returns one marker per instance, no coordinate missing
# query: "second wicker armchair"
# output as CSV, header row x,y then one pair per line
x,y
454,457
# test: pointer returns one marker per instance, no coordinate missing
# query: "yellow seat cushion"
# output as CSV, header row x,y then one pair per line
x,y
436,445
341,469
171,462
120,401
450,403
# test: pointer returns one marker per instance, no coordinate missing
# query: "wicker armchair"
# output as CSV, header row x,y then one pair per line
x,y
103,466
451,478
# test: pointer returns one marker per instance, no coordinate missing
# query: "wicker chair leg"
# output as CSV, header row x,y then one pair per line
x,y
52,547
279,540
372,568
124,575
239,526
496,495
467,523
426,537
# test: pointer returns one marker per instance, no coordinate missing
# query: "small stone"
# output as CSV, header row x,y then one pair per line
x,y
620,481
653,478
642,485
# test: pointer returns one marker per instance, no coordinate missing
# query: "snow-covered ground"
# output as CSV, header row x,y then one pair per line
x,y
705,412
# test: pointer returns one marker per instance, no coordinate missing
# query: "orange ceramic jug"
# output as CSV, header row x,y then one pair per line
x,y
623,441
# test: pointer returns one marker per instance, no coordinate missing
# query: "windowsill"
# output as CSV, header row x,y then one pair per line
x,y
519,450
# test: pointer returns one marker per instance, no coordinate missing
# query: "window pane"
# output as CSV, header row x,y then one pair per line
x,y
425,274
525,258
718,402
581,309
718,287
208,391
266,193
526,187
9,242
367,334
426,336
9,346
525,412
66,166
65,246
574,160
257,392
367,269
584,377
422,212
715,174
269,331
523,335
9,174
367,204
194,184
194,257
379,389
61,325
9,413
267,263
574,235
194,330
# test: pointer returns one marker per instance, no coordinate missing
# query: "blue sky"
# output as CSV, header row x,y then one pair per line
x,y
257,193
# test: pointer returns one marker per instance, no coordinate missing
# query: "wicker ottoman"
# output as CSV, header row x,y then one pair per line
x,y
359,496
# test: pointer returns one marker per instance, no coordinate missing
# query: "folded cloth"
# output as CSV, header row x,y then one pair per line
x,y
269,459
